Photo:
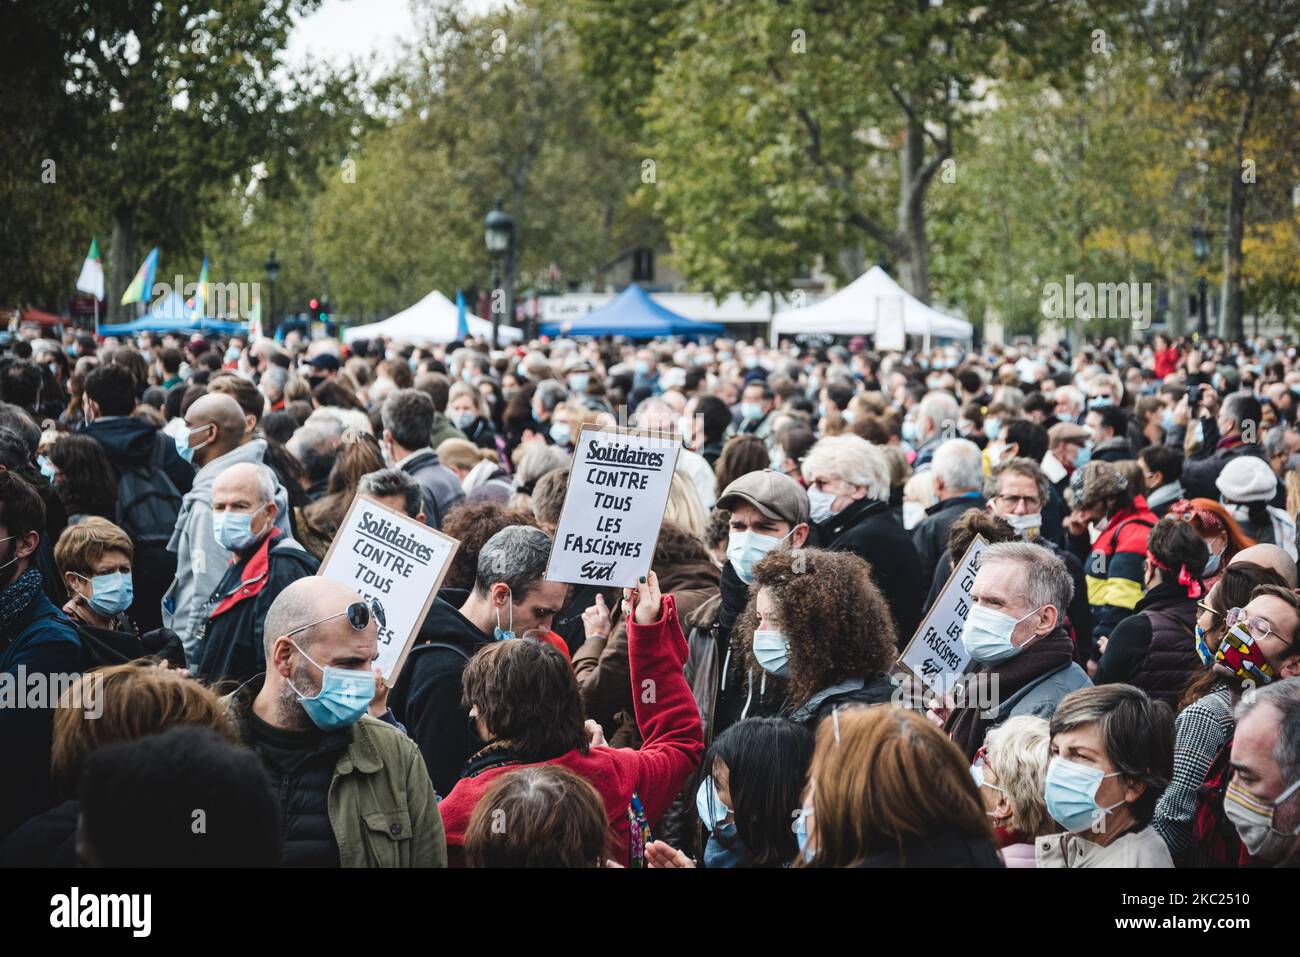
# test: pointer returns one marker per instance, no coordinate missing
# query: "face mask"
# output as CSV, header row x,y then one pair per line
x,y
977,773
1239,513
234,530
1203,647
1241,654
642,367
744,550
1212,565
751,411
909,431
849,415
1064,417
709,806
1253,820
1200,432
464,420
1084,456
1100,402
467,375
772,651
751,362
993,428
1025,525
343,698
110,594
508,632
1071,794
801,834
819,505
47,467
996,452
579,382
232,354
1167,420
776,459
986,635
183,447
561,433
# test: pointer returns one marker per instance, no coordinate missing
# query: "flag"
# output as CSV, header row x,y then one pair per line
x,y
91,279
199,304
254,318
141,288
462,324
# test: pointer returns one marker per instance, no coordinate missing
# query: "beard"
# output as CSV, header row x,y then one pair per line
x,y
288,708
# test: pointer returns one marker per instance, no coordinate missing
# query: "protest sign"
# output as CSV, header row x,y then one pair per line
x,y
614,505
935,655
385,555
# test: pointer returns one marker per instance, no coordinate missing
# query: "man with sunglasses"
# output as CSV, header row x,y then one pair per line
x,y
354,791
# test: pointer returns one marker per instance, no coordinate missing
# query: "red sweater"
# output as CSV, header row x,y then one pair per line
x,y
670,729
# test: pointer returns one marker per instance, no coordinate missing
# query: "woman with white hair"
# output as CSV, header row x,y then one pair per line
x,y
848,491
1010,771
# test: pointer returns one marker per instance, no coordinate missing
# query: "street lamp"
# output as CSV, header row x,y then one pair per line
x,y
1201,250
272,266
499,236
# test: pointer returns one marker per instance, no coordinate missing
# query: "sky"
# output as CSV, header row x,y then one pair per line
x,y
342,30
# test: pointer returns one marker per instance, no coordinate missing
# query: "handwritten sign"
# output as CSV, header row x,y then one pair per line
x,y
935,655
388,556
614,505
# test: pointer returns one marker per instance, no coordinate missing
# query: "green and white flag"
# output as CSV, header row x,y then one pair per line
x,y
91,279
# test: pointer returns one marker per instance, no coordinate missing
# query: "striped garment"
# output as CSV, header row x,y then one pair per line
x,y
1200,731
1114,568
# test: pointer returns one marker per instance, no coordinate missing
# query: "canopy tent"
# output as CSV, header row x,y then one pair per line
x,y
633,314
172,315
434,318
872,303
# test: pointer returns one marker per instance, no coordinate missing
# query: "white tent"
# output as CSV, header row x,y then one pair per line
x,y
873,303
433,319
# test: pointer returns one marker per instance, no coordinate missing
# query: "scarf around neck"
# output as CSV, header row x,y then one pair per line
x,y
17,595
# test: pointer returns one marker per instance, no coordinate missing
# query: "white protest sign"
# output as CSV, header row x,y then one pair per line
x,y
618,490
935,655
385,555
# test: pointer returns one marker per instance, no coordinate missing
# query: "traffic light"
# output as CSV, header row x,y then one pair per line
x,y
313,310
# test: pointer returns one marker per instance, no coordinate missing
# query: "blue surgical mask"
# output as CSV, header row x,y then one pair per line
x,y
772,652
1167,420
344,696
464,420
47,467
579,381
819,505
232,354
801,834
110,594
642,367
745,549
1071,794
183,447
561,433
751,411
1212,565
1084,456
1100,402
909,431
709,805
986,636
234,530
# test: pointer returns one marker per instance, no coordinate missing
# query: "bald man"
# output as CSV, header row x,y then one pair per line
x,y
214,440
1269,556
353,788
263,564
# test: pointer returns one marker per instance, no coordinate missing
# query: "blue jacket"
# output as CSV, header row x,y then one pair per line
x,y
42,642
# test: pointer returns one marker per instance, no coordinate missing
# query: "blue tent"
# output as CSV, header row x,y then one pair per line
x,y
633,314
171,315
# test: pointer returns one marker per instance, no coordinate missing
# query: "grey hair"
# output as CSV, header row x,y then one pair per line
x,y
266,483
853,459
537,462
551,393
940,408
1284,696
1017,466
408,415
517,556
1137,731
276,378
960,464
313,438
389,482
17,419
1274,442
1046,580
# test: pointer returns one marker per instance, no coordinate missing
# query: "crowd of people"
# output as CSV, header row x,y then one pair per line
x,y
1129,693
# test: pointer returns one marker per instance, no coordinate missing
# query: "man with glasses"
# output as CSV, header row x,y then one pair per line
x,y
1260,645
1018,493
354,791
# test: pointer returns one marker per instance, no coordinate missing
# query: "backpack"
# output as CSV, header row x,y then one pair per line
x,y
148,502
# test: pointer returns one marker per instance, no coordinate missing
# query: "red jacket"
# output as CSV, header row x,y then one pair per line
x,y
1167,362
673,742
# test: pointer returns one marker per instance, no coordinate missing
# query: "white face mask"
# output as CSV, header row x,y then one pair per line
x,y
819,504
1253,819
1024,524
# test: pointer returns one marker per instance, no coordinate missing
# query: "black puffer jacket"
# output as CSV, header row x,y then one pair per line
x,y
931,536
1154,649
868,529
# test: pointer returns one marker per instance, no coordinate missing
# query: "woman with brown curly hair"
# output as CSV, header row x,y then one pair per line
x,y
818,629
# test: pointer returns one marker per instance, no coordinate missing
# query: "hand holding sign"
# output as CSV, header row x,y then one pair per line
x,y
647,598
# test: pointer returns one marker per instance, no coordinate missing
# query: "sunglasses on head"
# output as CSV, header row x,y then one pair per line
x,y
358,614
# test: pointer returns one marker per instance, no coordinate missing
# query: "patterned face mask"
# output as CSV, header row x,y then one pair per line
x,y
1240,653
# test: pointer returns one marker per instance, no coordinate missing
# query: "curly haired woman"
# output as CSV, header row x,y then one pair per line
x,y
816,629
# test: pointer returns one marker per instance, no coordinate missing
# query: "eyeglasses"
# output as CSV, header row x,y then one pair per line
x,y
1202,606
1015,501
1258,628
358,613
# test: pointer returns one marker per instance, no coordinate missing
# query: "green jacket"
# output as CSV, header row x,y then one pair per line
x,y
442,431
382,806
